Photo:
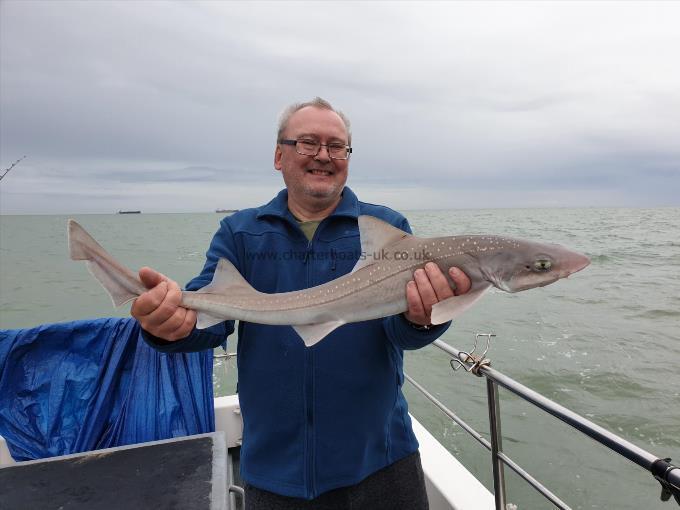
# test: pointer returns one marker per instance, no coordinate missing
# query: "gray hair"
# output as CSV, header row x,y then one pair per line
x,y
317,102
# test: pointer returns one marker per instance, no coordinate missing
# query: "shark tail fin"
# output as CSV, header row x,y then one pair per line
x,y
121,284
78,240
226,280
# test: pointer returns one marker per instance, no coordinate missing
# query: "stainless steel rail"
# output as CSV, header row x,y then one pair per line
x,y
667,474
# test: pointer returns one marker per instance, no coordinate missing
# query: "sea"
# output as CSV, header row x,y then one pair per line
x,y
605,343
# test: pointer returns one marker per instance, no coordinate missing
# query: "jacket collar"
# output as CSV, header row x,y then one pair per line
x,y
348,206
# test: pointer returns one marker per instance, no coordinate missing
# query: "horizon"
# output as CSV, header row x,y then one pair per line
x,y
516,208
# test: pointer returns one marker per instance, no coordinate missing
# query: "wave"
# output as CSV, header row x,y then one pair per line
x,y
602,259
658,314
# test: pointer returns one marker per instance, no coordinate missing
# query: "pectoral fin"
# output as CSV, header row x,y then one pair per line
x,y
313,333
453,307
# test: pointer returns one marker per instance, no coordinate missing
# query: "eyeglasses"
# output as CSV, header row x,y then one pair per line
x,y
335,150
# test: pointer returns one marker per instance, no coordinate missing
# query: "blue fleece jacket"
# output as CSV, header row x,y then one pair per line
x,y
322,417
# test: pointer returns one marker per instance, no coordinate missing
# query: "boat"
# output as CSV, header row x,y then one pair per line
x,y
129,212
226,211
450,486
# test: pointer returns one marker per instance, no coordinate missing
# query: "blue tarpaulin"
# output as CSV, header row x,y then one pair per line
x,y
84,385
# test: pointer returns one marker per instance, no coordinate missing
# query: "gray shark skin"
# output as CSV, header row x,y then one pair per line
x,y
375,288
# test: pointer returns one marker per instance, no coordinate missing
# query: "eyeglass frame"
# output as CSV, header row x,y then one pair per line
x,y
295,142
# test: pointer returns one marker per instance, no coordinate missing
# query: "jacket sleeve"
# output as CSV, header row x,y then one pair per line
x,y
198,339
223,245
402,333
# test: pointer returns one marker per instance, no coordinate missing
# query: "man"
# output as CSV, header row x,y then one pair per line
x,y
327,426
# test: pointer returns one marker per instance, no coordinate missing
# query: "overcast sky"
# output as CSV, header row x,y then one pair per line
x,y
173,106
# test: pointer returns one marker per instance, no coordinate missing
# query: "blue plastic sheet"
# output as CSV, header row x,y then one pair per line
x,y
84,385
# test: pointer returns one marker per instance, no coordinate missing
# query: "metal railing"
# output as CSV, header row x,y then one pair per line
x,y
663,471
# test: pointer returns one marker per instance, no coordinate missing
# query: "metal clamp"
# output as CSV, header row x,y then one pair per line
x,y
471,362
226,356
661,468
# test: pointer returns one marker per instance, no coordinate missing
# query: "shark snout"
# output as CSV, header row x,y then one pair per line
x,y
574,264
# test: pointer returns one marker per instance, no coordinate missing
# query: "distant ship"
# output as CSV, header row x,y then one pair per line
x,y
129,212
226,210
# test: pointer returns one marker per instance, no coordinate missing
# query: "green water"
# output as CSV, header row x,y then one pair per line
x,y
603,343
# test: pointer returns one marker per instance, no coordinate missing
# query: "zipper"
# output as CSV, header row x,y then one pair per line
x,y
309,422
306,259
310,460
310,436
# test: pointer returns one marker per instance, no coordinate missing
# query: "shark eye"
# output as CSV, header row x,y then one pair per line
x,y
542,265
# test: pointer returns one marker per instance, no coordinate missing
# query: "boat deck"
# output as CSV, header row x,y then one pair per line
x,y
99,478
187,472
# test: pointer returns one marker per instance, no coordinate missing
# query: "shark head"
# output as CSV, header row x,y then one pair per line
x,y
531,265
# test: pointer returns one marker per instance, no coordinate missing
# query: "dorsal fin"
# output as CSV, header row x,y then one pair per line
x,y
226,277
375,234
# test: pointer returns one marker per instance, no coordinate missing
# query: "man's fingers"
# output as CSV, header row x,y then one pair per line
x,y
427,294
416,312
178,325
189,323
461,280
159,309
166,295
415,304
150,301
430,286
171,301
438,281
150,278
169,325
185,327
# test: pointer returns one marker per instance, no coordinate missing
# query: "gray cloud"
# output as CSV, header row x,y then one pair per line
x,y
177,102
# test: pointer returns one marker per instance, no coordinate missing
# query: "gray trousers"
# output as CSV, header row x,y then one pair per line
x,y
396,487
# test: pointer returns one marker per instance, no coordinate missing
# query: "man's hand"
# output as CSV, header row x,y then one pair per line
x,y
158,310
428,287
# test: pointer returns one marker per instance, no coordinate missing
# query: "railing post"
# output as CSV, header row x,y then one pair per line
x,y
496,443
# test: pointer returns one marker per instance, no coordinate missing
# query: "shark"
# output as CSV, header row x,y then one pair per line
x,y
375,288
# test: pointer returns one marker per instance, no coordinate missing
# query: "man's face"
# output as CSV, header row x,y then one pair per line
x,y
316,179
